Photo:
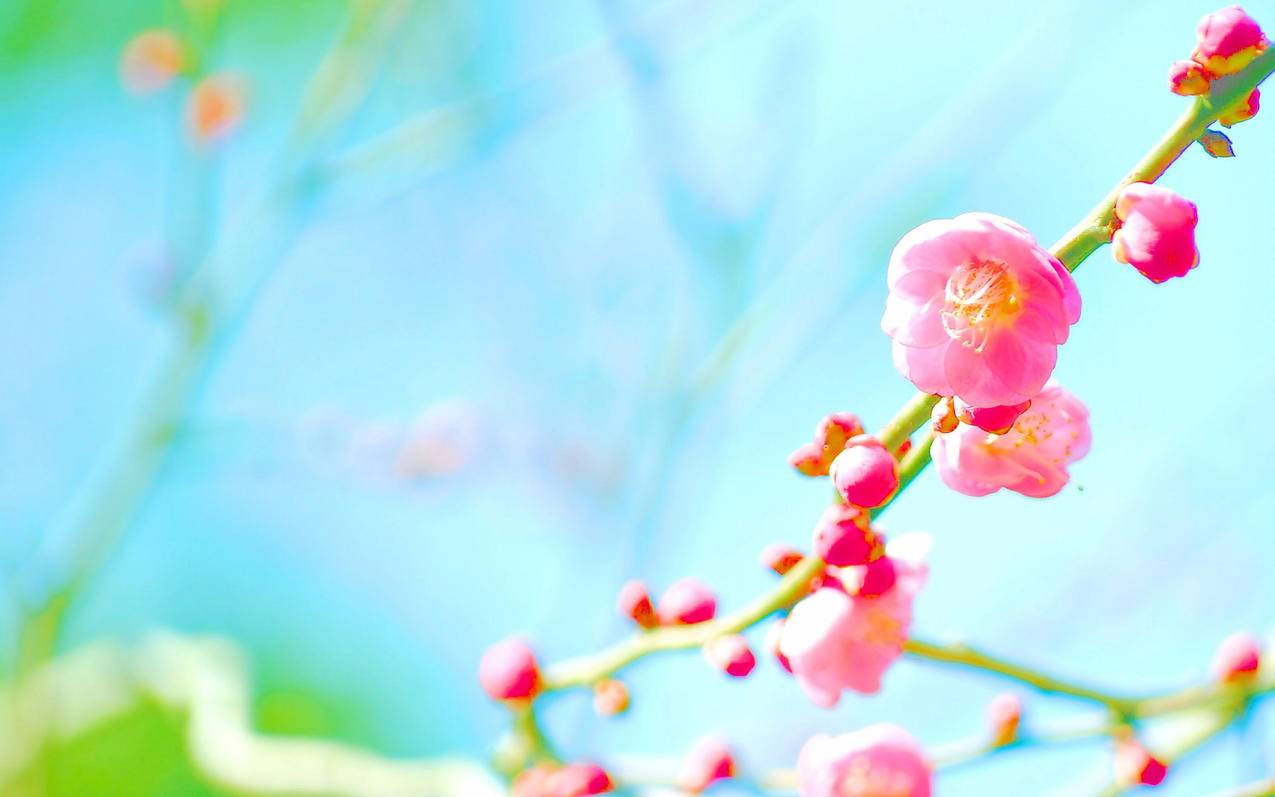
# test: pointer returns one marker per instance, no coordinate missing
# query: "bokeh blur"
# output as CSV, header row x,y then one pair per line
x,y
482,308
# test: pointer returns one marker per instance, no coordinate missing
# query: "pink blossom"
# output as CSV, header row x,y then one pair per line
x,y
1157,233
634,602
813,458
977,309
579,780
687,602
731,655
865,473
1137,766
1227,41
834,640
998,420
1237,658
877,761
508,671
873,579
1031,458
1188,78
843,536
710,759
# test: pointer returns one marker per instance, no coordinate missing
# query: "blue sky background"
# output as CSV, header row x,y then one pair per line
x,y
614,187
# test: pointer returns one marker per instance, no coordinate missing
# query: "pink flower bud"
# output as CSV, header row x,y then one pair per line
x,y
1004,715
1135,765
1241,111
731,655
771,642
843,536
508,671
813,459
1188,78
875,761
151,60
1157,236
1227,41
1237,658
635,603
687,602
610,697
865,473
579,780
878,577
710,759
780,558
943,416
997,420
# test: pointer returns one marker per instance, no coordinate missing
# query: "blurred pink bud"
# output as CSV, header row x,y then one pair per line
x,y
533,782
835,641
1157,233
508,671
731,655
687,602
1227,41
578,780
610,697
843,536
1237,658
1135,765
1004,716
151,60
875,761
1031,458
771,643
1188,78
710,759
977,309
780,558
876,577
1241,111
865,473
215,107
813,459
997,420
635,603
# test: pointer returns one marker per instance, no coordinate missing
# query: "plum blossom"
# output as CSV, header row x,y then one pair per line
x,y
977,309
837,638
1157,232
877,761
508,671
1031,458
1227,41
865,473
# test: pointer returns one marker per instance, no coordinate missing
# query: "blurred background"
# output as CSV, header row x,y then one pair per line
x,y
480,309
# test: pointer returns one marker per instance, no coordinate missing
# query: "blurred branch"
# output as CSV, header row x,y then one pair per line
x,y
205,680
1261,788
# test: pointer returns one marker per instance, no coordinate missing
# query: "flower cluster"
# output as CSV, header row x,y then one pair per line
x,y
1226,41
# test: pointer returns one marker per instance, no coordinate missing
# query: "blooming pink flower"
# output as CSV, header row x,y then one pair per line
x,y
998,420
1241,111
1004,715
687,602
710,759
1227,41
151,60
876,761
813,458
731,655
508,671
977,309
1157,233
634,602
843,536
834,640
865,473
1031,458
1237,658
1188,78
1135,765
780,558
